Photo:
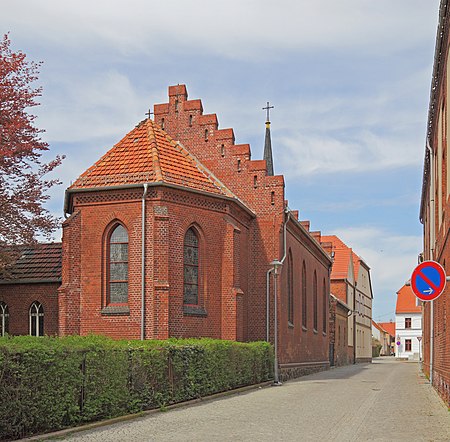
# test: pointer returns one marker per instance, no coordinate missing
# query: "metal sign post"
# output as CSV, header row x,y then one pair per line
x,y
419,338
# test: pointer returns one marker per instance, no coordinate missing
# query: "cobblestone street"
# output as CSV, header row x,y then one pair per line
x,y
383,401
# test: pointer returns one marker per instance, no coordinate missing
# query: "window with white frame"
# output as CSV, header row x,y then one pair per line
x,y
36,314
4,318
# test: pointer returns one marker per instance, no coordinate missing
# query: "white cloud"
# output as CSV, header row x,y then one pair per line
x,y
103,104
365,151
391,257
243,29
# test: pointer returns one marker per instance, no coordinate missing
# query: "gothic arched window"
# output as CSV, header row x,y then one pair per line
x,y
118,266
36,314
324,307
290,289
191,267
304,297
4,318
315,302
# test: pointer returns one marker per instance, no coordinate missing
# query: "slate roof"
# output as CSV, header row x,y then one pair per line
x,y
148,154
407,301
37,263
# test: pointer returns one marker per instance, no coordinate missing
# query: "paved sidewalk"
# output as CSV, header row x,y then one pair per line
x,y
384,401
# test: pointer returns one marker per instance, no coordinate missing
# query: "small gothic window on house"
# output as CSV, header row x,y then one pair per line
x,y
118,266
272,198
4,318
239,165
191,267
206,134
190,120
162,123
222,150
255,181
36,314
176,105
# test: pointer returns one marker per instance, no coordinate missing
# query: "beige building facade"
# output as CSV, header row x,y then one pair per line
x,y
363,310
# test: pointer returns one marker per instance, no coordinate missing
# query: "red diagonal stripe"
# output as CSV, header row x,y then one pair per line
x,y
431,284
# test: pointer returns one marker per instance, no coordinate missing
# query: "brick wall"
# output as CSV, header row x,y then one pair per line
x,y
339,332
441,357
19,298
169,214
302,344
183,119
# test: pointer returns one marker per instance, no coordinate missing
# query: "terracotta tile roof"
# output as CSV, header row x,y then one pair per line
x,y
335,240
342,257
407,301
389,327
147,154
356,263
379,327
41,262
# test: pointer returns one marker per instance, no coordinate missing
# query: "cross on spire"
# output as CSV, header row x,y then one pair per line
x,y
267,108
149,114
268,143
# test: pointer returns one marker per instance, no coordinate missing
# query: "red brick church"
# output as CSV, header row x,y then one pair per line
x,y
172,234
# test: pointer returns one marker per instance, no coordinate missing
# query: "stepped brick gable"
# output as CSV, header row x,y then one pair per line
x,y
172,232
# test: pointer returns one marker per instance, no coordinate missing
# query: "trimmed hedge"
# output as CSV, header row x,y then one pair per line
x,y
50,383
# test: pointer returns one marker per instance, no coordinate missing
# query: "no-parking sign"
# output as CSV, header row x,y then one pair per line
x,y
428,280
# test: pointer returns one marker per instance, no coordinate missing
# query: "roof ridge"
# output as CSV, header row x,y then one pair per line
x,y
154,151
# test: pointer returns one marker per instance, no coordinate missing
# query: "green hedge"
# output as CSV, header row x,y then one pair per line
x,y
51,383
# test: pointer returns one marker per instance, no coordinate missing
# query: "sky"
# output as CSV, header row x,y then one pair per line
x,y
349,81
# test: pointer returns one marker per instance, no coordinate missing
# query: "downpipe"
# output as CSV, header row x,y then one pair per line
x,y
143,265
432,244
275,270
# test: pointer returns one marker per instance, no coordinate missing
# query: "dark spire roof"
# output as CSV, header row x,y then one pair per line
x,y
268,144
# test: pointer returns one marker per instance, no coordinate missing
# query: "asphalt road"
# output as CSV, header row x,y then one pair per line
x,y
383,401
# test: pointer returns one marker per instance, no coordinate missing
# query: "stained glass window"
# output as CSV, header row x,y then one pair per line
x,y
191,260
4,319
36,319
118,266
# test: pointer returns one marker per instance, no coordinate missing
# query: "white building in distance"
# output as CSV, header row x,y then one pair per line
x,y
408,325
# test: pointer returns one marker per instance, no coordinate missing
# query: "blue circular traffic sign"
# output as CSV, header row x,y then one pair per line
x,y
428,280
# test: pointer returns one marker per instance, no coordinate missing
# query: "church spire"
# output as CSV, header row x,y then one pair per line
x,y
268,143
